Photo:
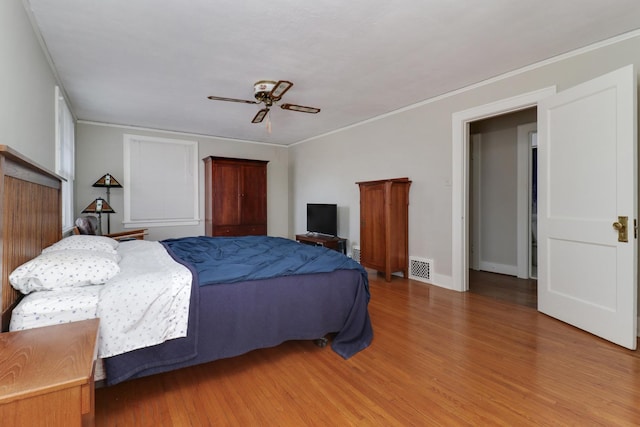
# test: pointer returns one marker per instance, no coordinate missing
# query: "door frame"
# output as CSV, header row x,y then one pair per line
x,y
524,199
476,203
460,174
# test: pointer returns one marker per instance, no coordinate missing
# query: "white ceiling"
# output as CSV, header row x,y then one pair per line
x,y
152,63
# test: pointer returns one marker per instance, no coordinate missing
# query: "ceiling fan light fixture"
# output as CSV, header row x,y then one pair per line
x,y
262,89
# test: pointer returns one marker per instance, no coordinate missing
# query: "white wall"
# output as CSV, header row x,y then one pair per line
x,y
416,142
498,213
27,86
99,149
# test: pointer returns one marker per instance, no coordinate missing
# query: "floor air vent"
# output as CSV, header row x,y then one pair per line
x,y
420,269
355,253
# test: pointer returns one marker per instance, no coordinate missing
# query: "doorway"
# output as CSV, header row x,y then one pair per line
x,y
460,168
502,200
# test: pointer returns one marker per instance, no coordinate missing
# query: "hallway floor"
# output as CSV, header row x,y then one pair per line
x,y
505,288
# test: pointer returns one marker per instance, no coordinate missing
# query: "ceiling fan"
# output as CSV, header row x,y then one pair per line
x,y
269,92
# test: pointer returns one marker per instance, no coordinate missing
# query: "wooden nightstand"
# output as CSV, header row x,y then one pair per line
x,y
46,375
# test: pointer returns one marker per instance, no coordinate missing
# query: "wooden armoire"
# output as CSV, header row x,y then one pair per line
x,y
235,196
384,225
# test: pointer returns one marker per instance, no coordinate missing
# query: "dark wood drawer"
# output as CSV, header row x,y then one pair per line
x,y
240,230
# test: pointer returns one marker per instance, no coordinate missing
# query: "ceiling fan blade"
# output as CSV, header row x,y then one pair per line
x,y
300,108
259,117
279,89
220,98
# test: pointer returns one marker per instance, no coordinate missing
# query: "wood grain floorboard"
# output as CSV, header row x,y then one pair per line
x,y
438,358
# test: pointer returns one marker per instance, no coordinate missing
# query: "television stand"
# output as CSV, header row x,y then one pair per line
x,y
336,243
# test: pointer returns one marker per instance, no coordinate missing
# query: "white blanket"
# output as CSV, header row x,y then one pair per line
x,y
147,303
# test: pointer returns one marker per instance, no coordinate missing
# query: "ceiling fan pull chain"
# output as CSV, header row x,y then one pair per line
x,y
269,122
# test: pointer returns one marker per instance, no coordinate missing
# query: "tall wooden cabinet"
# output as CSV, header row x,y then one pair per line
x,y
235,197
384,225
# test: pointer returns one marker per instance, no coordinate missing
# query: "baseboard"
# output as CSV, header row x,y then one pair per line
x,y
440,281
493,267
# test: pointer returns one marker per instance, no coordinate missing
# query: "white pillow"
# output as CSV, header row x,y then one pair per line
x,y
85,242
63,269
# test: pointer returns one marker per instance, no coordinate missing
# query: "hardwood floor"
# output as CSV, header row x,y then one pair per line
x,y
503,287
438,357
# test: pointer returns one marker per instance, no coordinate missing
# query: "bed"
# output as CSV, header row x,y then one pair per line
x,y
227,315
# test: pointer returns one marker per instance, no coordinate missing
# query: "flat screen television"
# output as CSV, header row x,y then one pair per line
x,y
322,218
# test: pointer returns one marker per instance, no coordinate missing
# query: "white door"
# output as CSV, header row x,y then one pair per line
x,y
587,179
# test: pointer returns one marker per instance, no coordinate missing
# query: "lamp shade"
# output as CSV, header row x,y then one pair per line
x,y
107,180
99,206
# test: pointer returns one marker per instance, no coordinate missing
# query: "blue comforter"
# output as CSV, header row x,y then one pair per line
x,y
229,320
237,259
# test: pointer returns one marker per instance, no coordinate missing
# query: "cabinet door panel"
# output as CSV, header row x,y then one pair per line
x,y
398,225
254,194
226,198
372,226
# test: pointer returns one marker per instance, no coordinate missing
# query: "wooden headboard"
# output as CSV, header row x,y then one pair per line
x,y
30,217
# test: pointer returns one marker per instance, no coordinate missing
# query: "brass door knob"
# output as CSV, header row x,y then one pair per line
x,y
621,227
